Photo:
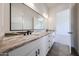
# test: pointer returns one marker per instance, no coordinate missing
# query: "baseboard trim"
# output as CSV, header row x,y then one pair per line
x,y
74,52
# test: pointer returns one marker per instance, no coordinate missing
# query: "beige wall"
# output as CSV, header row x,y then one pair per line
x,y
1,20
6,17
52,19
77,12
74,26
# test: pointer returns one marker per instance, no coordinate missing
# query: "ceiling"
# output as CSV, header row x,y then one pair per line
x,y
49,5
52,5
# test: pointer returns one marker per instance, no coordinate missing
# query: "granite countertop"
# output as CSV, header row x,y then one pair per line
x,y
10,43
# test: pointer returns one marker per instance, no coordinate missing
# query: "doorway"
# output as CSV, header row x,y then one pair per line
x,y
63,28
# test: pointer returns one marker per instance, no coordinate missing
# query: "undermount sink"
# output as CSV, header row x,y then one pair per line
x,y
11,34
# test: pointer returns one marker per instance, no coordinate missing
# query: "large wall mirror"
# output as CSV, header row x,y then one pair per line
x,y
24,18
39,22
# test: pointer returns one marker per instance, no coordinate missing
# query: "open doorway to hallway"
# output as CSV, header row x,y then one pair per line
x,y
62,45
63,29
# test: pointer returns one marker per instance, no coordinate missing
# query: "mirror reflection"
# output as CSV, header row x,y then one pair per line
x,y
24,18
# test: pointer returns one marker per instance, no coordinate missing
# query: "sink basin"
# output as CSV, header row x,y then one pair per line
x,y
11,34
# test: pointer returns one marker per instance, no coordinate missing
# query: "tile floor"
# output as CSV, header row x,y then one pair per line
x,y
59,50
61,47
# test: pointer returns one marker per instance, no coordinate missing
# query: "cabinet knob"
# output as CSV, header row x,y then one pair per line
x,y
36,53
69,32
49,47
49,41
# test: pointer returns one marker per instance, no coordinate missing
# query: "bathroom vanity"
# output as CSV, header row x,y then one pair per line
x,y
36,44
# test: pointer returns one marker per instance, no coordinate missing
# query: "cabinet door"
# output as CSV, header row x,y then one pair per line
x,y
40,50
53,37
50,40
24,50
44,45
37,50
33,52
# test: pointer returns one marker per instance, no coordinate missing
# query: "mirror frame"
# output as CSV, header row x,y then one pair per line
x,y
32,17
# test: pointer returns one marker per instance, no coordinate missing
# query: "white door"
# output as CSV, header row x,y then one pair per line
x,y
63,27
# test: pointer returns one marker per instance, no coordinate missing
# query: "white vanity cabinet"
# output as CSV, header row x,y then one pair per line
x,y
39,47
25,49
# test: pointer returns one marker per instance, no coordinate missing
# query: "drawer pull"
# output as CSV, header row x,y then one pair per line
x,y
36,53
